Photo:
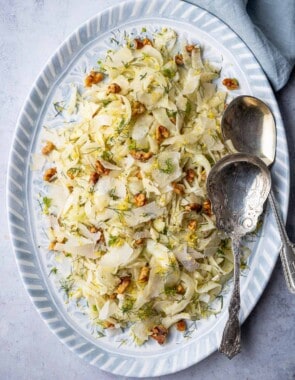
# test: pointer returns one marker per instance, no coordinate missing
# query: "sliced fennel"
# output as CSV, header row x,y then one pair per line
x,y
130,189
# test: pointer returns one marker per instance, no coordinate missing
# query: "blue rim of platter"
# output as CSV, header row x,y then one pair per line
x,y
174,357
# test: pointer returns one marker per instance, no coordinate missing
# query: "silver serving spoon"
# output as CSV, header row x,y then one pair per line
x,y
237,187
248,126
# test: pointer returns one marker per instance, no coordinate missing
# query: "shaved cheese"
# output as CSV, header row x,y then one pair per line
x,y
117,256
120,58
143,214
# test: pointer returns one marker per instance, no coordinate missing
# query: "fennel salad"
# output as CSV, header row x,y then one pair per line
x,y
126,195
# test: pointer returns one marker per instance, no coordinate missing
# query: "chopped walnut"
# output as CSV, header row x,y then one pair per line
x,y
49,174
190,176
93,229
207,207
93,78
51,246
159,333
138,44
125,281
147,41
47,148
180,289
113,296
190,48
181,325
162,133
192,225
93,178
113,88
108,325
140,155
231,83
144,274
137,108
193,207
140,199
101,169
178,188
179,59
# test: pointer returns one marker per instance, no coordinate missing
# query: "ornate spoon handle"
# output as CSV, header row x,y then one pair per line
x,y
231,338
288,249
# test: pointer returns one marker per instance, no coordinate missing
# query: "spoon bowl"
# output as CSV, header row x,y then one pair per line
x,y
248,126
237,187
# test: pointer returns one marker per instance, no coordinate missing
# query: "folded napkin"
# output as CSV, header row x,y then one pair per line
x,y
266,26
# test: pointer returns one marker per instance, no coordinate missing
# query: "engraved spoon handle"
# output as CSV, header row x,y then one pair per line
x,y
231,339
287,252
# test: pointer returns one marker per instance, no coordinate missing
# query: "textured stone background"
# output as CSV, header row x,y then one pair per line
x,y
30,31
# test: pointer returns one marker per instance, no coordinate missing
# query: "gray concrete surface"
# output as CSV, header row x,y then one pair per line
x,y
30,31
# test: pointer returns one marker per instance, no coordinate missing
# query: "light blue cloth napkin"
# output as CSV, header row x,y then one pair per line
x,y
266,26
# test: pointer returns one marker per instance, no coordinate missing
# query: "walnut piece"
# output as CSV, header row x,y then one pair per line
x,y
49,174
137,108
190,48
180,289
125,281
140,155
179,59
47,148
231,83
190,176
113,88
144,274
181,325
139,44
207,207
147,41
108,325
140,199
51,246
159,333
93,78
94,177
178,188
162,133
192,225
93,229
101,169
193,207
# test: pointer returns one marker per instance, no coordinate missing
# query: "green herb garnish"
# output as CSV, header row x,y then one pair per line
x,y
113,240
66,285
53,270
59,108
142,76
46,203
168,73
112,194
168,168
